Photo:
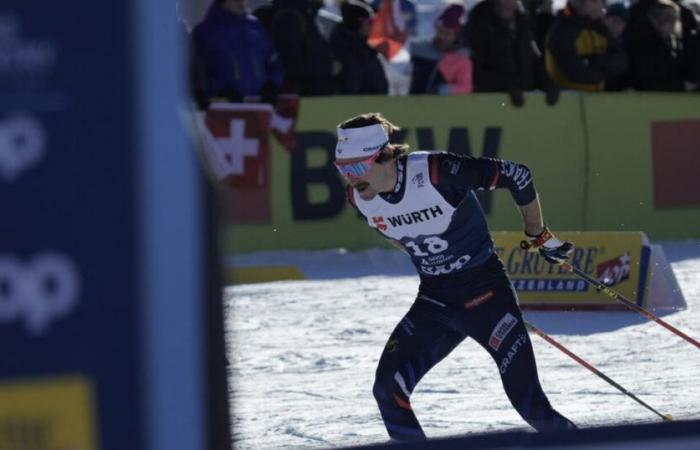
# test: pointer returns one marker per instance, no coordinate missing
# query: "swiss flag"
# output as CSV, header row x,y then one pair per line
x,y
236,146
237,149
237,138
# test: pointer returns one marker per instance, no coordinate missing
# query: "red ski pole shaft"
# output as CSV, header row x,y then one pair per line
x,y
619,297
607,379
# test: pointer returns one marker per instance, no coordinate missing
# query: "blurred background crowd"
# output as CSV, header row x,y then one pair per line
x,y
257,49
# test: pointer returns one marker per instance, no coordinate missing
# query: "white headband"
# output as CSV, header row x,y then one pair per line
x,y
359,142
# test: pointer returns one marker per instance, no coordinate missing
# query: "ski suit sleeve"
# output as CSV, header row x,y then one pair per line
x,y
454,175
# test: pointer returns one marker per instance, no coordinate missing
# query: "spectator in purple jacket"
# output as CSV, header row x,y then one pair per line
x,y
238,56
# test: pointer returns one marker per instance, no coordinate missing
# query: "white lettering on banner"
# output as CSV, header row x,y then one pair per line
x,y
236,147
22,145
38,292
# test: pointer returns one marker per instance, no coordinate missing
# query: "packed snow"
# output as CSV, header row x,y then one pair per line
x,y
303,356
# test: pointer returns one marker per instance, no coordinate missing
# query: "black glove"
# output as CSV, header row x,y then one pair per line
x,y
517,97
552,249
551,95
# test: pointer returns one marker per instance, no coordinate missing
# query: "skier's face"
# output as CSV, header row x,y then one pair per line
x,y
374,177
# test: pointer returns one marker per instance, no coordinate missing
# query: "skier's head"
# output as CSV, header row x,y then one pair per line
x,y
364,156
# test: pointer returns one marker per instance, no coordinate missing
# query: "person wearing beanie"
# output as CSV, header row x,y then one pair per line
x,y
362,71
442,65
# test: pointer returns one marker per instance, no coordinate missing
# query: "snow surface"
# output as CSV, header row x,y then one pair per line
x,y
303,356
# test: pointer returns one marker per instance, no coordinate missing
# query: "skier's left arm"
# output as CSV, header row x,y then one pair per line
x,y
539,237
454,175
451,171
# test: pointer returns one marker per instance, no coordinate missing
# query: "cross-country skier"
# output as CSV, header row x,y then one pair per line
x,y
425,203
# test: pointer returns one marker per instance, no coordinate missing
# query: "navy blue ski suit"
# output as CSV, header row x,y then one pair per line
x,y
474,298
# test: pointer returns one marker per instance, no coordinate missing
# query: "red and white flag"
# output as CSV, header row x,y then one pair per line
x,y
237,149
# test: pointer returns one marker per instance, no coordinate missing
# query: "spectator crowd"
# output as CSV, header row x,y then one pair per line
x,y
316,47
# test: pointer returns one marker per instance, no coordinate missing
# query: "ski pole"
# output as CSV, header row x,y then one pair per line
x,y
546,337
619,297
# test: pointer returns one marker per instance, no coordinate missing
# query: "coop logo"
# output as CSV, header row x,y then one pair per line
x,y
614,271
415,216
22,145
39,291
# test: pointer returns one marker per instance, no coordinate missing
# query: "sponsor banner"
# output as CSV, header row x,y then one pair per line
x,y
612,181
70,297
642,171
236,144
618,259
676,165
48,413
309,209
236,141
